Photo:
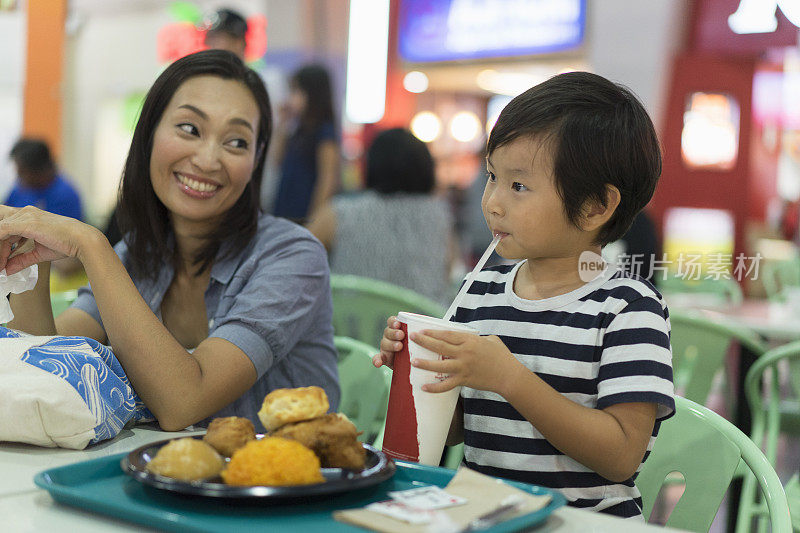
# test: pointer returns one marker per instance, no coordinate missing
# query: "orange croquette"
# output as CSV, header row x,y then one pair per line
x,y
273,461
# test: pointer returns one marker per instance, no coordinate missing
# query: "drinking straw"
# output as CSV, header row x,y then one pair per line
x,y
470,278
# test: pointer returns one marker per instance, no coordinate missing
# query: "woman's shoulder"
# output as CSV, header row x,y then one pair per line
x,y
278,233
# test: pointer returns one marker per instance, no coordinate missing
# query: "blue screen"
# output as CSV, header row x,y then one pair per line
x,y
446,30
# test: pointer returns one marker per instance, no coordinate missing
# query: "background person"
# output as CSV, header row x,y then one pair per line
x,y
307,146
41,184
226,29
208,304
396,230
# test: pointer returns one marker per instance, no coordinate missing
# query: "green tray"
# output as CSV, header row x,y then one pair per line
x,y
101,486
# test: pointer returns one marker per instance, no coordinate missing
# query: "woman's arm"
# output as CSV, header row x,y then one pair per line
x,y
178,387
323,225
327,175
32,310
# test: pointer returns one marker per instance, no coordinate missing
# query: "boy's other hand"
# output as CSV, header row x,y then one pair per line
x,y
390,343
482,363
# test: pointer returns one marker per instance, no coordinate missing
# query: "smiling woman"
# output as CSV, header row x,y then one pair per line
x,y
207,303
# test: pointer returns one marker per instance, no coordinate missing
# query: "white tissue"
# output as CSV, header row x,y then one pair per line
x,y
22,281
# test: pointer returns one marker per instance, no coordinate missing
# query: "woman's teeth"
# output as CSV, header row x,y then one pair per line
x,y
196,185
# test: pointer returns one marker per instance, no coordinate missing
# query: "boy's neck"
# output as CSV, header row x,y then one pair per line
x,y
542,278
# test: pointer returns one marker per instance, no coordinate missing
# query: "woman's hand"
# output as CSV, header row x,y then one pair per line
x,y
29,236
390,343
483,363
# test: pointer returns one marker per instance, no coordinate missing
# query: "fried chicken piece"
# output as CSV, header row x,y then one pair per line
x,y
229,433
332,437
283,406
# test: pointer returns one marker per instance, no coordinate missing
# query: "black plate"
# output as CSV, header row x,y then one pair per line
x,y
378,468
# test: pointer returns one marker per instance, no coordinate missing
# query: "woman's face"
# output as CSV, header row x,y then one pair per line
x,y
204,150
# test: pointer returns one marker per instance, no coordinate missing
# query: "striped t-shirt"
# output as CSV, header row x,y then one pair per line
x,y
604,343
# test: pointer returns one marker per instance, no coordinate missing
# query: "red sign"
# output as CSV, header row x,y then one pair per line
x,y
711,32
180,39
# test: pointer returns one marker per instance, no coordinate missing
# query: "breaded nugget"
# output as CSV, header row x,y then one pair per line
x,y
186,459
332,437
229,433
283,406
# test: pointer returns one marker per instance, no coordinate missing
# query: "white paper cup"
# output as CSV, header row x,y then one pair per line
x,y
417,422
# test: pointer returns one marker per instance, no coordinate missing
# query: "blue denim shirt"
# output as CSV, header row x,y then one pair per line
x,y
271,299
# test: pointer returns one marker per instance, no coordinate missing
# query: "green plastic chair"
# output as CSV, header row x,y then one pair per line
x,y
59,301
365,389
699,347
706,449
362,305
723,290
776,276
453,455
775,408
792,488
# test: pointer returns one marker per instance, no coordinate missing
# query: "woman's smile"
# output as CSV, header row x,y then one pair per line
x,y
195,186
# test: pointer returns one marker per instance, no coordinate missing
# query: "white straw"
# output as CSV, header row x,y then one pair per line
x,y
470,278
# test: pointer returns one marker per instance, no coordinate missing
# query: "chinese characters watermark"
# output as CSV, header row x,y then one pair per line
x,y
686,266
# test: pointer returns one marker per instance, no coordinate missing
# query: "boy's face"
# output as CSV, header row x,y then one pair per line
x,y
521,203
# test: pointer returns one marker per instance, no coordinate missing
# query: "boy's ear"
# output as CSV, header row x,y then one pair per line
x,y
595,214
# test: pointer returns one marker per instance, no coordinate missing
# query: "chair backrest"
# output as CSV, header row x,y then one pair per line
x,y
59,301
699,347
362,305
776,276
723,290
365,389
706,449
772,388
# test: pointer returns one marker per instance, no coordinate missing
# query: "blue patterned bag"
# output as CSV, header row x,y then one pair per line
x,y
63,391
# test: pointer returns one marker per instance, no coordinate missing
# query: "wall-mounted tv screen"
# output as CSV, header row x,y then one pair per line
x,y
447,30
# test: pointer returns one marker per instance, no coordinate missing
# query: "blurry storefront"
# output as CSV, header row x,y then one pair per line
x,y
730,135
454,64
450,66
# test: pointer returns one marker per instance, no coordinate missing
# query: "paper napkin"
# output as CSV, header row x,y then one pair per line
x,y
483,494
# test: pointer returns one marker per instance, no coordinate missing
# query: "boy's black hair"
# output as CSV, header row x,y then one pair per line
x,y
600,134
399,162
33,155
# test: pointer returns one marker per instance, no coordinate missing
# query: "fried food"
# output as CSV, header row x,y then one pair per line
x,y
283,406
186,459
332,437
273,461
228,434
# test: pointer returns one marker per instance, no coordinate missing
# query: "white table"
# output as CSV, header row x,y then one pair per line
x,y
26,508
775,321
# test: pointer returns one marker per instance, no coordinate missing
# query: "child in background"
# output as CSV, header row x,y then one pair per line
x,y
569,384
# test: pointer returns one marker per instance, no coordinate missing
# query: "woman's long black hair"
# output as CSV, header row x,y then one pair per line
x,y
143,219
314,81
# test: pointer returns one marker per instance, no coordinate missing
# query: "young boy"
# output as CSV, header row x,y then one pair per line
x,y
569,385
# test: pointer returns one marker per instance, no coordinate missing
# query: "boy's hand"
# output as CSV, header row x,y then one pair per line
x,y
390,343
482,363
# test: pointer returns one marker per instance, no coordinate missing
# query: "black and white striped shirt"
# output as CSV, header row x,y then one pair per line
x,y
602,344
